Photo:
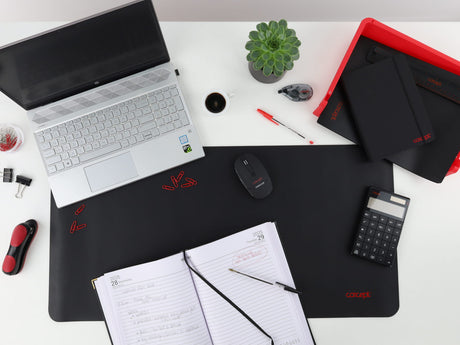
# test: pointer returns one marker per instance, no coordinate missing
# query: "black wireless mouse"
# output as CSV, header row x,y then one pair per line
x,y
253,176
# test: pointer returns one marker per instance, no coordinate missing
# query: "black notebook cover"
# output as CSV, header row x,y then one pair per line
x,y
431,161
386,107
316,202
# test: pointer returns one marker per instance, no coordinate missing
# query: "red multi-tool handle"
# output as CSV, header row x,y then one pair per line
x,y
22,236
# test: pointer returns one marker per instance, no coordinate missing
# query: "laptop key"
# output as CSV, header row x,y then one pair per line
x,y
48,153
147,135
101,152
145,118
53,159
147,126
178,103
146,110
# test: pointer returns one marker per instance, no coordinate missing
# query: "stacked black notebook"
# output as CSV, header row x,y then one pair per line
x,y
440,94
387,108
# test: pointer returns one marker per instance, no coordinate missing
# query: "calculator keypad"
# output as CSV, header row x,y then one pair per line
x,y
377,238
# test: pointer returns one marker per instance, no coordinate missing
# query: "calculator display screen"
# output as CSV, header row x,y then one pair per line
x,y
386,207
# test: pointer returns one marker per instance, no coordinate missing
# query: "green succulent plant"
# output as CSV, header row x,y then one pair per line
x,y
273,48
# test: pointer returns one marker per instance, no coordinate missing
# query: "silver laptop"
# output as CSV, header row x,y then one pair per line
x,y
103,101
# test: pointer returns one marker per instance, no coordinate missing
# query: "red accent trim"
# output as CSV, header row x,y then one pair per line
x,y
257,181
19,234
166,187
392,38
455,166
8,264
267,116
81,226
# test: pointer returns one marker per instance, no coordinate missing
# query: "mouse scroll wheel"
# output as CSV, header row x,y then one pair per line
x,y
249,167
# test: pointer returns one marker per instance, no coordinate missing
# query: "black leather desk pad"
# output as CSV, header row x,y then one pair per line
x,y
431,161
316,202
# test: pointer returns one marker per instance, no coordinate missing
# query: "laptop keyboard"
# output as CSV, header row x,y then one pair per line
x,y
117,127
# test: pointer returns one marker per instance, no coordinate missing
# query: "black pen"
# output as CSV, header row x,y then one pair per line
x,y
283,286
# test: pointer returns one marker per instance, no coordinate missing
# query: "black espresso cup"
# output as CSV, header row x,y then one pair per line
x,y
216,102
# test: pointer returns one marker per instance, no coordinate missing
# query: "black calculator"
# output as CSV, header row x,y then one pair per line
x,y
380,226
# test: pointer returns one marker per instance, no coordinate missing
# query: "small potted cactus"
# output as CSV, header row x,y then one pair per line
x,y
273,48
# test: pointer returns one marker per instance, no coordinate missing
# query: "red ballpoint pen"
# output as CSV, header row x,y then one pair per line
x,y
277,122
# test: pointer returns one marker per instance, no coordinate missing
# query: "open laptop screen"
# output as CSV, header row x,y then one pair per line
x,y
81,55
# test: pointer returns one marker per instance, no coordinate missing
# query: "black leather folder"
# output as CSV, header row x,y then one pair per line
x,y
317,200
431,161
387,108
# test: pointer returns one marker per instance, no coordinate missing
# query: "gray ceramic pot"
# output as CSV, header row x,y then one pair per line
x,y
259,76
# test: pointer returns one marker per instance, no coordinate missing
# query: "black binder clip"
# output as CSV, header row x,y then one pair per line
x,y
7,175
23,183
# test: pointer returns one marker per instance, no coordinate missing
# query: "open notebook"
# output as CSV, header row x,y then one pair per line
x,y
164,302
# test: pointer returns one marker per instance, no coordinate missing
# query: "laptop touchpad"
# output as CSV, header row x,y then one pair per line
x,y
110,172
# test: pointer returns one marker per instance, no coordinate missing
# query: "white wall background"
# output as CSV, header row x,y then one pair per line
x,y
242,10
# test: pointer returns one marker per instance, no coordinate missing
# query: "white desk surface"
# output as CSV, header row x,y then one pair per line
x,y
210,56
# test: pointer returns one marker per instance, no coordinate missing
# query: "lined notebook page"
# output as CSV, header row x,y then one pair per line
x,y
153,303
256,251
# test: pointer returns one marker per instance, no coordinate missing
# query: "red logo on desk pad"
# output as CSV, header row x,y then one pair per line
x,y
75,226
362,295
189,182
